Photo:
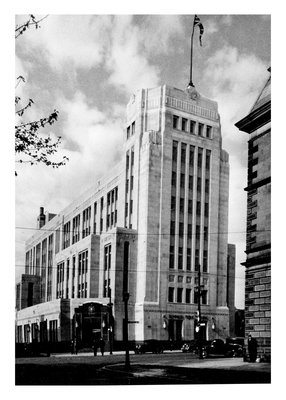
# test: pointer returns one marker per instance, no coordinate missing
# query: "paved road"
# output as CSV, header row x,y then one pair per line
x,y
167,368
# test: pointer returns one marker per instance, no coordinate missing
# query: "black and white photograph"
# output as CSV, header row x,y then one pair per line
x,y
142,198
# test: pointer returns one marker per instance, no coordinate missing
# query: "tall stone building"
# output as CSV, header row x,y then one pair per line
x,y
158,217
258,242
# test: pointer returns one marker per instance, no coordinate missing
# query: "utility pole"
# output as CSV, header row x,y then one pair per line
x,y
125,300
110,321
199,312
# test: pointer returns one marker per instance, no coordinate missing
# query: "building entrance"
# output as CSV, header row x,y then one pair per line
x,y
92,321
175,329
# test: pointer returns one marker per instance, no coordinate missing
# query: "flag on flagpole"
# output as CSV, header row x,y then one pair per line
x,y
197,22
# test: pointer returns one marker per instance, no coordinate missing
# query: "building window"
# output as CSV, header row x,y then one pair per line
x,y
190,206
208,131
127,161
75,229
200,129
60,280
174,178
192,153
204,296
67,231
200,158
179,295
171,278
205,260
86,215
208,159
184,124
188,295
183,155
94,218
133,128
182,202
180,258
175,151
207,186
199,184
57,245
196,296
53,330
171,295
50,267
171,257
175,122
197,259
198,208
191,179
181,229
172,228
128,132
182,181
206,210
189,259
173,203
192,126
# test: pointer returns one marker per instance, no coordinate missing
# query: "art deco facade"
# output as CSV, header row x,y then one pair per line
x,y
258,242
161,213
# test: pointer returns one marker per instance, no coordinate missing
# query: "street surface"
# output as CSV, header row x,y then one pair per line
x,y
166,368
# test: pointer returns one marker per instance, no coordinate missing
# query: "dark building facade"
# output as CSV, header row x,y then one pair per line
x,y
258,241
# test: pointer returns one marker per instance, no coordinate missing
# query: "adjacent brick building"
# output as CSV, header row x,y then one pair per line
x,y
161,214
258,242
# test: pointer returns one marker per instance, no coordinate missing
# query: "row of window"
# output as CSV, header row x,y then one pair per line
x,y
130,130
129,184
35,333
184,295
191,126
81,274
73,231
183,203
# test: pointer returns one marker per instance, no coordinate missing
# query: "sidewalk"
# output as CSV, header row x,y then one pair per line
x,y
227,363
216,371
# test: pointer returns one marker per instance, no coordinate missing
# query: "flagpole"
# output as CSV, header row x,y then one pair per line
x,y
191,57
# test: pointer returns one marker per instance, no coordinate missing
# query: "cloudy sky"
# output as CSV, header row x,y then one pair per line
x,y
87,66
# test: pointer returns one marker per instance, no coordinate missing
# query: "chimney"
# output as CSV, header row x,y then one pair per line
x,y
41,218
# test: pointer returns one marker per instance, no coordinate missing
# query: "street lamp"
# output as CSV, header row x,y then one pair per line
x,y
213,324
164,322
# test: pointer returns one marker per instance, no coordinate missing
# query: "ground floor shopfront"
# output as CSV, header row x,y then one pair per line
x,y
56,325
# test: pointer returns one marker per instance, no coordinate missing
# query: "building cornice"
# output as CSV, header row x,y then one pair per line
x,y
255,119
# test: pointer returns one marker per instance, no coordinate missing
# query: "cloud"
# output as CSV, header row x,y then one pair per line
x,y
157,31
98,144
129,69
236,80
63,39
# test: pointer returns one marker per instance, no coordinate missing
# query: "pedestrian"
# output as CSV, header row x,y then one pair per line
x,y
74,346
95,346
252,348
101,345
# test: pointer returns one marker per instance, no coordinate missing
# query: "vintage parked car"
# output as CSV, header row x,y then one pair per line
x,y
149,346
218,347
192,346
235,346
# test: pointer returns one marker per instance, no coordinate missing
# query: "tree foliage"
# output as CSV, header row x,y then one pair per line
x,y
30,147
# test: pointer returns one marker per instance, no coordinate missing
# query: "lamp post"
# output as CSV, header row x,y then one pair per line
x,y
110,321
198,327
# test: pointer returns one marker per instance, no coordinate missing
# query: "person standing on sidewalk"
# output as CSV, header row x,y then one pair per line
x,y
95,346
101,345
252,348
